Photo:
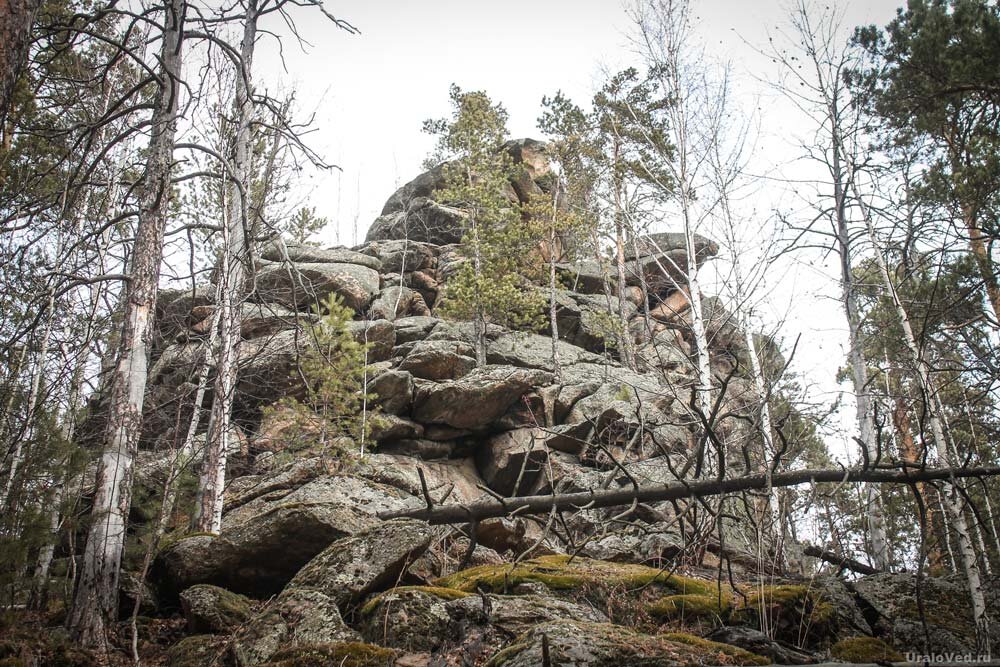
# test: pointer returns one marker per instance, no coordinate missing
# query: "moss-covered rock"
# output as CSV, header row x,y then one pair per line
x,y
340,654
691,607
562,572
408,618
198,651
947,612
212,610
436,591
797,613
579,644
297,617
864,649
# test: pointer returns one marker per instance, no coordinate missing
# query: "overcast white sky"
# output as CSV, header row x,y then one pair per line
x,y
371,92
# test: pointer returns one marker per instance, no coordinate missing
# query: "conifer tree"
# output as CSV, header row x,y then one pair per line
x,y
335,400
499,242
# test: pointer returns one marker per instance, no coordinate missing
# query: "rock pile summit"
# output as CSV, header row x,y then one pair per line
x,y
303,570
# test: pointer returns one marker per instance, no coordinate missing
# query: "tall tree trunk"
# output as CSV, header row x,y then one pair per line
x,y
95,603
624,340
553,283
935,410
859,371
235,258
910,454
16,20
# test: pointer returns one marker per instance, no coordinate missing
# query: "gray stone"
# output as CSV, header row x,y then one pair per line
x,y
264,542
308,254
655,244
393,391
948,612
213,610
477,399
401,255
389,427
296,617
439,360
379,335
352,567
508,457
411,329
395,302
305,285
755,641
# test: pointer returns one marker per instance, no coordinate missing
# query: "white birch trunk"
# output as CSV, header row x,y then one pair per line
x,y
935,410
235,257
96,600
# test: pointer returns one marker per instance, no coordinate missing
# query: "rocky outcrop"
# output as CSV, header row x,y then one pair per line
x,y
325,578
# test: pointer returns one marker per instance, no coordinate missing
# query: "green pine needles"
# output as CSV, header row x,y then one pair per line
x,y
334,414
500,244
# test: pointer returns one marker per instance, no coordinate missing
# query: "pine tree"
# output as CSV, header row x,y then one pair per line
x,y
335,400
499,241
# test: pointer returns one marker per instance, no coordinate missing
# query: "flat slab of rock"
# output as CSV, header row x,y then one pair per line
x,y
264,542
477,399
295,252
302,285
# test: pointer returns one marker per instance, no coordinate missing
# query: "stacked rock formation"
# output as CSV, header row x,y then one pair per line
x,y
303,568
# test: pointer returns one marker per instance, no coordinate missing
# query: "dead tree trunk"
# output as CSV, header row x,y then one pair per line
x,y
95,603
599,498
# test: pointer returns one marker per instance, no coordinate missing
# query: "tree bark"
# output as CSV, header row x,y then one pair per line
x,y
95,603
16,20
598,498
235,258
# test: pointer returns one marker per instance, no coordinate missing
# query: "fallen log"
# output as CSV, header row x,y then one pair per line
x,y
493,507
839,561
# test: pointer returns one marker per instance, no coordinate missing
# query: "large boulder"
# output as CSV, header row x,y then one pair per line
x,y
892,597
264,542
303,285
297,617
439,360
353,567
572,643
657,243
477,399
396,301
213,610
412,213
513,461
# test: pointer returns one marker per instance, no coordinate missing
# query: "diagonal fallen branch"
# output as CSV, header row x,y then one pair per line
x,y
596,498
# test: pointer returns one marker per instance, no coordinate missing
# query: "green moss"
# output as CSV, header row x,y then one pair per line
x,y
796,613
562,572
171,539
502,656
864,649
436,591
196,651
691,606
341,654
738,656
